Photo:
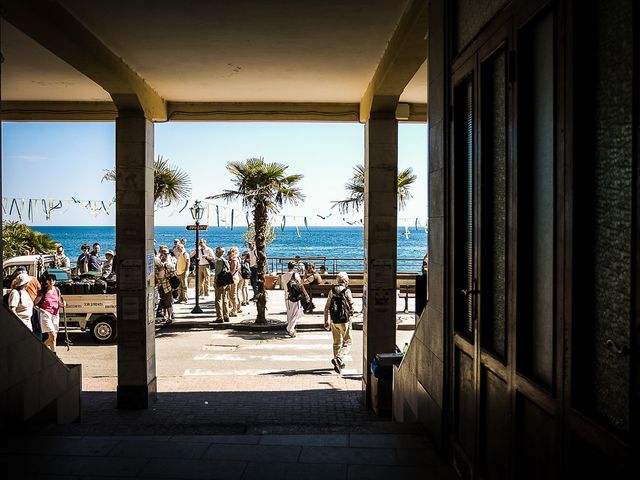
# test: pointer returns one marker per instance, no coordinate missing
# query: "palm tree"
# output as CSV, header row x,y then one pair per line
x,y
355,188
170,184
265,187
19,239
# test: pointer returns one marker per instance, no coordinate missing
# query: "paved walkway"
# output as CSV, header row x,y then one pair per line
x,y
276,312
287,424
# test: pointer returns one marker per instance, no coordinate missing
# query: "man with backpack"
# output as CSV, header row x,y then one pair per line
x,y
339,308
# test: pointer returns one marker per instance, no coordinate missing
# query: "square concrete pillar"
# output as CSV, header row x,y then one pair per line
x,y
134,261
380,240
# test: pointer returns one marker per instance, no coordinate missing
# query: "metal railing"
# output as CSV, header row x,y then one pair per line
x,y
334,265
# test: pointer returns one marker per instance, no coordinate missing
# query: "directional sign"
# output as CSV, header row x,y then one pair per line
x,y
197,227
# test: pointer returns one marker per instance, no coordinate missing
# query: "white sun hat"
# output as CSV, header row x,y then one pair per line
x,y
22,279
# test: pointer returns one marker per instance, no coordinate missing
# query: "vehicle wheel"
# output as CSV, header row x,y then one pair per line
x,y
104,330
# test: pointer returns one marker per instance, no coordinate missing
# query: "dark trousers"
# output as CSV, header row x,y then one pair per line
x,y
35,324
254,280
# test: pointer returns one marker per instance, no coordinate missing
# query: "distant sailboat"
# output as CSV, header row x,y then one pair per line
x,y
406,232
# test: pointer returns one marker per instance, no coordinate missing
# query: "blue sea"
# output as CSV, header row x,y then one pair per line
x,y
330,242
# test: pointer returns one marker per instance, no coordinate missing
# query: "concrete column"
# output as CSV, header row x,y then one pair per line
x,y
134,254
380,240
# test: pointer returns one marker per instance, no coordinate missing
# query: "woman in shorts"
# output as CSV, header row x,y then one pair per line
x,y
49,302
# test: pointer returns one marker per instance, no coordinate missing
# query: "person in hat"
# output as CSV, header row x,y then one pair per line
x,y
164,269
61,260
107,265
32,288
20,303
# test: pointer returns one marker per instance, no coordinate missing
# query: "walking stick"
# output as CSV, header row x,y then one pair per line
x,y
66,332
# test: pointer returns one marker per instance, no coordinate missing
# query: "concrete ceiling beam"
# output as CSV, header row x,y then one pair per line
x,y
341,112
56,111
405,53
57,30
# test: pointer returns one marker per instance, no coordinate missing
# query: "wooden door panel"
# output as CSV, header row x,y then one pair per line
x,y
465,400
536,446
494,437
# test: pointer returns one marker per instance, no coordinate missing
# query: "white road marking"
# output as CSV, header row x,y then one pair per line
x,y
194,372
270,346
278,335
230,357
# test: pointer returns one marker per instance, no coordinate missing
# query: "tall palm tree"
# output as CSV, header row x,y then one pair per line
x,y
355,189
170,184
265,187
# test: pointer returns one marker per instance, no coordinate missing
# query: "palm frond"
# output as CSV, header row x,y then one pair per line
x,y
355,190
170,183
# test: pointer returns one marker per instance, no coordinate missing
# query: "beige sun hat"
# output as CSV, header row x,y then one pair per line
x,y
22,279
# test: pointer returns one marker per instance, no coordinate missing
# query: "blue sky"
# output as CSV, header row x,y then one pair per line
x,y
66,162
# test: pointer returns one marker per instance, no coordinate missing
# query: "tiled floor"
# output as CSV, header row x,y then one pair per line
x,y
278,426
269,456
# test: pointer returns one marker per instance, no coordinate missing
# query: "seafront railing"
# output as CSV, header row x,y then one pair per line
x,y
334,265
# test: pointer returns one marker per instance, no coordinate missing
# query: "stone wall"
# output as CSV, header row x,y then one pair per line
x,y
418,391
35,386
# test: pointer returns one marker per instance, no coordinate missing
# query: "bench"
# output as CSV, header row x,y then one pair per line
x,y
407,291
323,289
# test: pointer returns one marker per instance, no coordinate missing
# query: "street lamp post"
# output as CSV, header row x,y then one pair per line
x,y
196,212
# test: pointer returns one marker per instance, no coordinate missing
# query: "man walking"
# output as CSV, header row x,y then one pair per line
x,y
182,271
339,308
292,298
222,307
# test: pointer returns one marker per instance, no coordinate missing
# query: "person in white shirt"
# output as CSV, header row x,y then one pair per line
x,y
205,254
294,309
253,266
20,302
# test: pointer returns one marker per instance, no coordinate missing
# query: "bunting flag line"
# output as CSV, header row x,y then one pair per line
x,y
32,209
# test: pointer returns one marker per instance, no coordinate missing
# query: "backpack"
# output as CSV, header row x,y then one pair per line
x,y
295,290
339,309
224,277
245,271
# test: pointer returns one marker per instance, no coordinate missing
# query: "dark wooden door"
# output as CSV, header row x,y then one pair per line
x,y
544,250
481,168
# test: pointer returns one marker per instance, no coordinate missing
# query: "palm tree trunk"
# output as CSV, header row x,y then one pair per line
x,y
260,219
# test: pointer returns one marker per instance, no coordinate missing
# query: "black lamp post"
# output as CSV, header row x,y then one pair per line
x,y
197,210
